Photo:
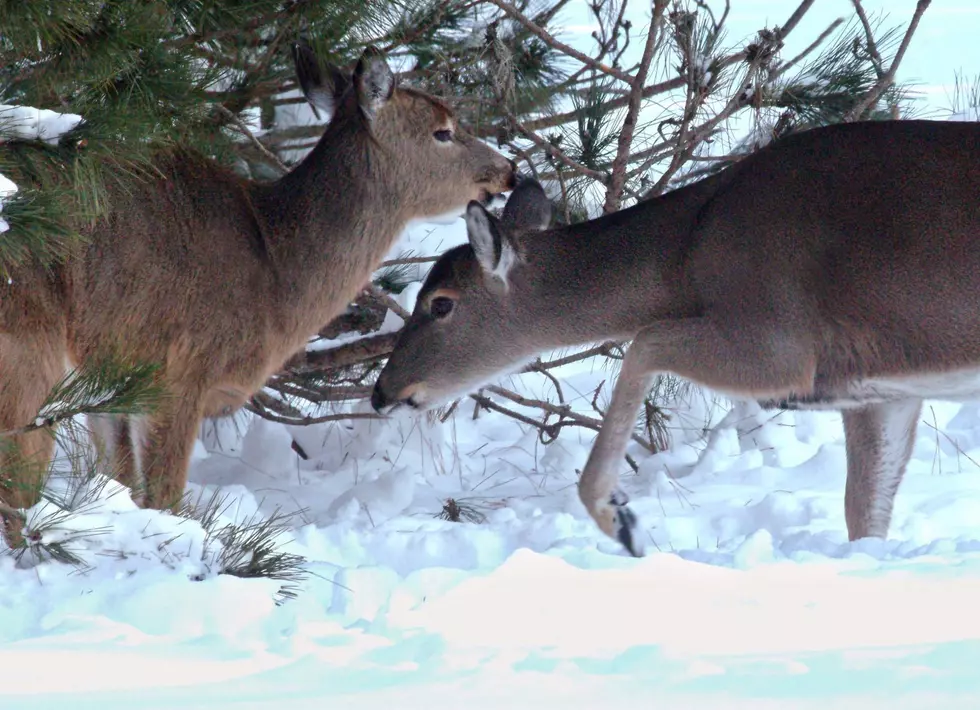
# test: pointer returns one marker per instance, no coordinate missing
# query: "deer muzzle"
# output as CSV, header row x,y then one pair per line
x,y
383,404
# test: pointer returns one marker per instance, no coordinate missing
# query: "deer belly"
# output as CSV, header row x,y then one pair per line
x,y
955,386
961,385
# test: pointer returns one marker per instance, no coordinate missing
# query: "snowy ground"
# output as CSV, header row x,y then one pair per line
x,y
750,596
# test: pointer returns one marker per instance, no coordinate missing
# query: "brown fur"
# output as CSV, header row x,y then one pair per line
x,y
831,257
220,280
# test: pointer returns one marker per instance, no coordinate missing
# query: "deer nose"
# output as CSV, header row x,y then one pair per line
x,y
379,401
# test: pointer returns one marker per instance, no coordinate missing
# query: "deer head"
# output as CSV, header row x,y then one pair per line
x,y
421,156
466,306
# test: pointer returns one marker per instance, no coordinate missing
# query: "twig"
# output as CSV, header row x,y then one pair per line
x,y
388,301
307,420
888,79
786,66
662,87
557,153
617,178
605,349
795,18
873,53
564,412
409,260
240,125
362,350
551,41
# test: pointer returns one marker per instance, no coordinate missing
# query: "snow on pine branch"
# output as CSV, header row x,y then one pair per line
x,y
29,123
7,190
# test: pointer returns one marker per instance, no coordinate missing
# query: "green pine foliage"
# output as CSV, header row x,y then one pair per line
x,y
823,90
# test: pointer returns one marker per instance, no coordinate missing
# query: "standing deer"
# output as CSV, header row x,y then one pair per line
x,y
219,280
837,268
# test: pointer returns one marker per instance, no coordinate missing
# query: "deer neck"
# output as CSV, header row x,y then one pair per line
x,y
608,278
327,223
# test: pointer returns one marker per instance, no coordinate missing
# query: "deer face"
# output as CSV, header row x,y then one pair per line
x,y
416,149
447,167
467,324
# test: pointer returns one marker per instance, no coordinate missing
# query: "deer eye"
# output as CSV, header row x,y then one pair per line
x,y
445,135
441,306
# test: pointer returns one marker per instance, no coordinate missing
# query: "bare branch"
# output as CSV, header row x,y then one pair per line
x,y
786,66
658,88
389,302
551,41
359,351
617,178
409,260
307,420
873,53
871,98
557,153
795,18
244,130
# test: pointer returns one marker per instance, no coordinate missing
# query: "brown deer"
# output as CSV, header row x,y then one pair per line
x,y
218,280
837,268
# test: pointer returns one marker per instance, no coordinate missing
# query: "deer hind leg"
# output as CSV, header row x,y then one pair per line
x,y
163,441
751,362
879,440
30,366
115,438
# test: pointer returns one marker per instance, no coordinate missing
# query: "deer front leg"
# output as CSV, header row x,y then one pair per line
x,y
163,442
30,365
879,440
112,435
754,362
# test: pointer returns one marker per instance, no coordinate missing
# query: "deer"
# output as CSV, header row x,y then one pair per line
x,y
217,280
836,268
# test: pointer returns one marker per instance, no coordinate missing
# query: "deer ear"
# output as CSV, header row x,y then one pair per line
x,y
494,248
528,207
322,89
374,81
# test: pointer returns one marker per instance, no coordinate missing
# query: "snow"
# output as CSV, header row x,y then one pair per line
x,y
29,123
750,595
7,190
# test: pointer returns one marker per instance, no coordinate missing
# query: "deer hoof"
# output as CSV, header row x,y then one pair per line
x,y
626,527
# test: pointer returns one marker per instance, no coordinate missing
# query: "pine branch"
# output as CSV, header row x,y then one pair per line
x,y
108,387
